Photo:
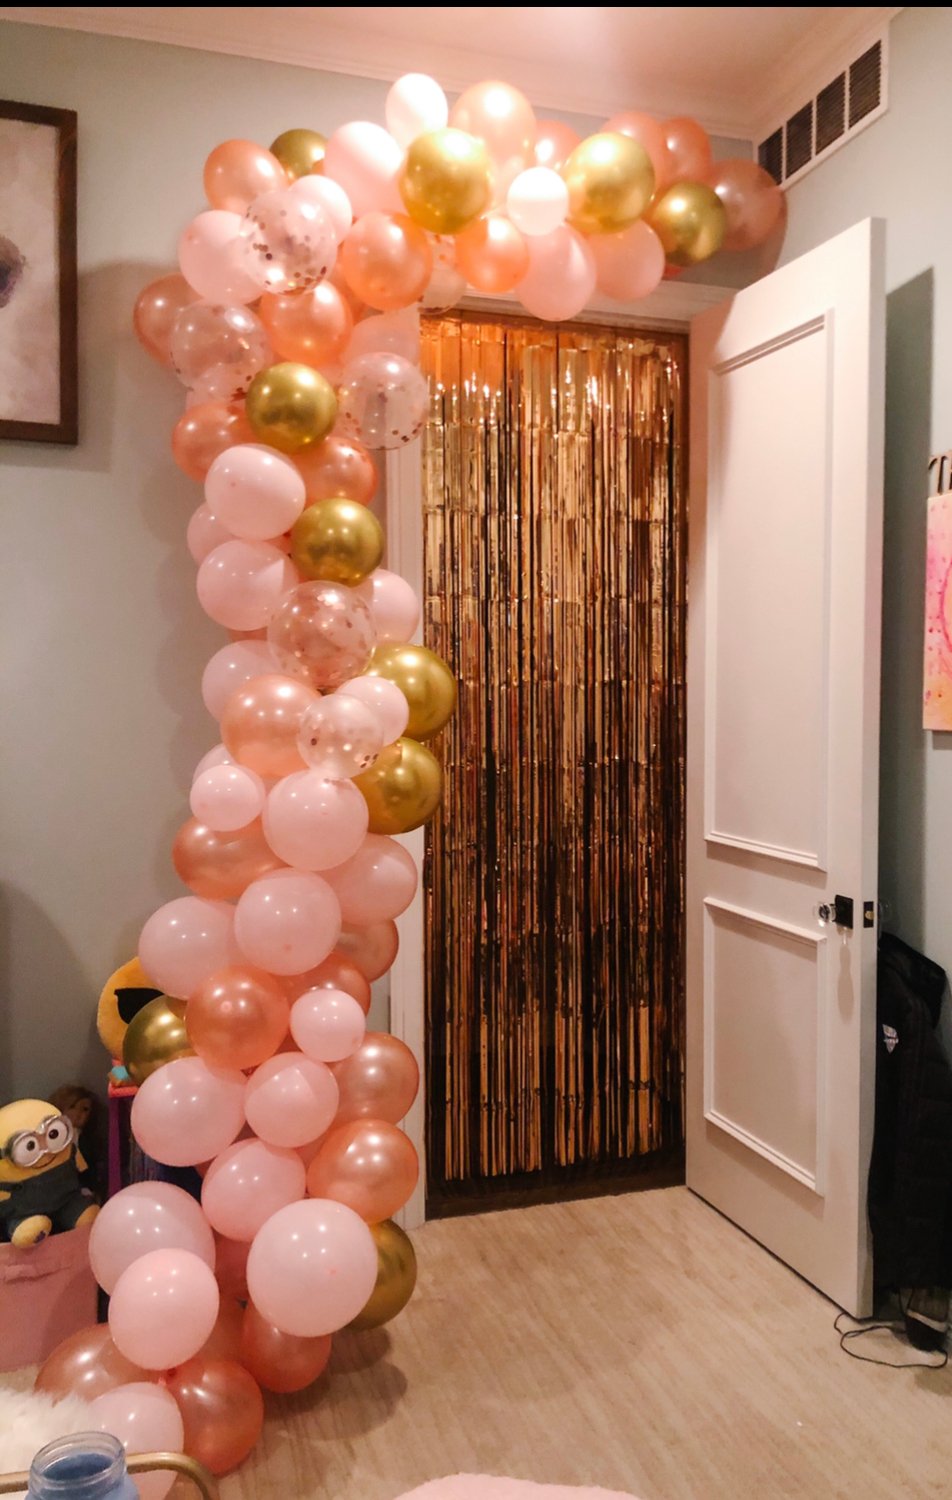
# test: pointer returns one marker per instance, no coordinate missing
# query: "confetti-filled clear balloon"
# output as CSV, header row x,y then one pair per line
x,y
219,347
382,401
340,736
288,242
386,700
323,633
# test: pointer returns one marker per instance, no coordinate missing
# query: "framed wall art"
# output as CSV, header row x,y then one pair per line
x,y
38,356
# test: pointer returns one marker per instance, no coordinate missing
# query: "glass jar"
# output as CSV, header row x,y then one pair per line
x,y
86,1466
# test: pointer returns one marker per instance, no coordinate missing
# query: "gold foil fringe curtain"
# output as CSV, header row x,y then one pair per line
x,y
554,586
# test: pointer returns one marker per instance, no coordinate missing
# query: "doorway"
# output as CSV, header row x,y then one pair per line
x,y
554,584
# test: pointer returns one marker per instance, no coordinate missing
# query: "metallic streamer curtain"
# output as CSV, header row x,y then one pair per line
x,y
554,585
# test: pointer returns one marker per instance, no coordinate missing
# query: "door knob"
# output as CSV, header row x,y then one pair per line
x,y
839,912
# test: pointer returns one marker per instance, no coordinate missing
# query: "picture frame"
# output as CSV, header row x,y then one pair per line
x,y
39,386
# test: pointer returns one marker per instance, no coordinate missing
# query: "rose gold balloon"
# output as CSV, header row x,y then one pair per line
x,y
337,468
501,117
281,1362
261,721
237,171
752,201
156,309
387,260
311,327
372,948
689,146
492,254
224,1341
231,1259
87,1364
206,430
370,1165
649,133
555,142
335,973
222,1408
379,1082
238,1019
219,866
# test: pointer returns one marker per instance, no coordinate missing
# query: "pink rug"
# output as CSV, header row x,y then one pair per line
x,y
488,1487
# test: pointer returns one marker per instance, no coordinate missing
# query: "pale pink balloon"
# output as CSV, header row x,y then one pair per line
x,y
393,604
144,1416
561,275
503,118
288,242
163,1308
329,196
555,142
322,633
185,941
230,668
689,146
372,948
387,701
340,736
365,160
630,264
240,583
185,1112
649,133
376,883
386,333
313,823
204,533
537,201
209,255
312,1267
225,798
216,756
290,1100
328,1025
147,1216
415,105
254,491
286,922
381,401
217,351
248,1183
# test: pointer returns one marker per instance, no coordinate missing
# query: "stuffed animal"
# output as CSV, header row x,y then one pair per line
x,y
40,1190
123,996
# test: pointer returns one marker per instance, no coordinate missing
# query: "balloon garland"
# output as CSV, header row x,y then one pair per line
x,y
293,327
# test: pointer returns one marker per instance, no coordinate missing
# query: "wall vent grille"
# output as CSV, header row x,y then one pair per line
x,y
853,99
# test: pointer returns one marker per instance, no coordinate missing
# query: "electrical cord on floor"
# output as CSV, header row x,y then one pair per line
x,y
895,1326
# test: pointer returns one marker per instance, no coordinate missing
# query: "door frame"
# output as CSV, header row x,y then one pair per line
x,y
669,308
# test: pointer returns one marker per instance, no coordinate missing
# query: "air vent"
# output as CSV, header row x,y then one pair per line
x,y
850,101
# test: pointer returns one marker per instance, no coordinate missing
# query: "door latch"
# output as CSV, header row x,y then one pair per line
x,y
839,911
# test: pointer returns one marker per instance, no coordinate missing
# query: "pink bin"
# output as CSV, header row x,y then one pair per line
x,y
46,1294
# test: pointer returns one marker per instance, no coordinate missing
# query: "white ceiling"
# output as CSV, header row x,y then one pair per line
x,y
734,68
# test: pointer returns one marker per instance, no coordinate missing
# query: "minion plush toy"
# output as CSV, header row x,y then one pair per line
x,y
40,1190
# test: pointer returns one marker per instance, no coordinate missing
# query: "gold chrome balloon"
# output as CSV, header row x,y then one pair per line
x,y
690,222
154,1037
425,681
291,407
300,152
338,540
610,181
396,1276
403,787
446,180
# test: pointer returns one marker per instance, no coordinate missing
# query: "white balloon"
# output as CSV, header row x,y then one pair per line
x,y
329,196
537,201
415,104
365,160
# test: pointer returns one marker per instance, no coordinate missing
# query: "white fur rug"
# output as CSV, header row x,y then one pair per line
x,y
30,1420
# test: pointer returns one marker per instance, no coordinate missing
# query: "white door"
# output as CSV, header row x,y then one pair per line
x,y
787,393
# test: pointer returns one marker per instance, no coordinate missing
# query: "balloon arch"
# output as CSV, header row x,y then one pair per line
x,y
293,327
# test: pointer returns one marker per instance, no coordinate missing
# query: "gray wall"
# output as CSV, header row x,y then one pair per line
x,y
898,169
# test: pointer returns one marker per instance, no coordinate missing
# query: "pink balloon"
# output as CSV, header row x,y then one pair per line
x,y
185,941
689,146
230,668
385,698
328,1025
561,275
142,1217
286,923
555,142
312,823
291,1100
393,604
312,1267
339,737
649,133
216,756
217,351
163,1307
382,401
204,533
630,264
226,798
752,201
248,1183
365,160
186,1113
209,255
240,583
372,948
145,1418
288,242
254,491
537,201
376,883
323,633
386,333
415,105
329,196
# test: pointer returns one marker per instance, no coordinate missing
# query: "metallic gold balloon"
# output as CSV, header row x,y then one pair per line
x,y
446,180
154,1037
300,152
403,787
690,221
396,1276
338,540
425,681
291,406
610,181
